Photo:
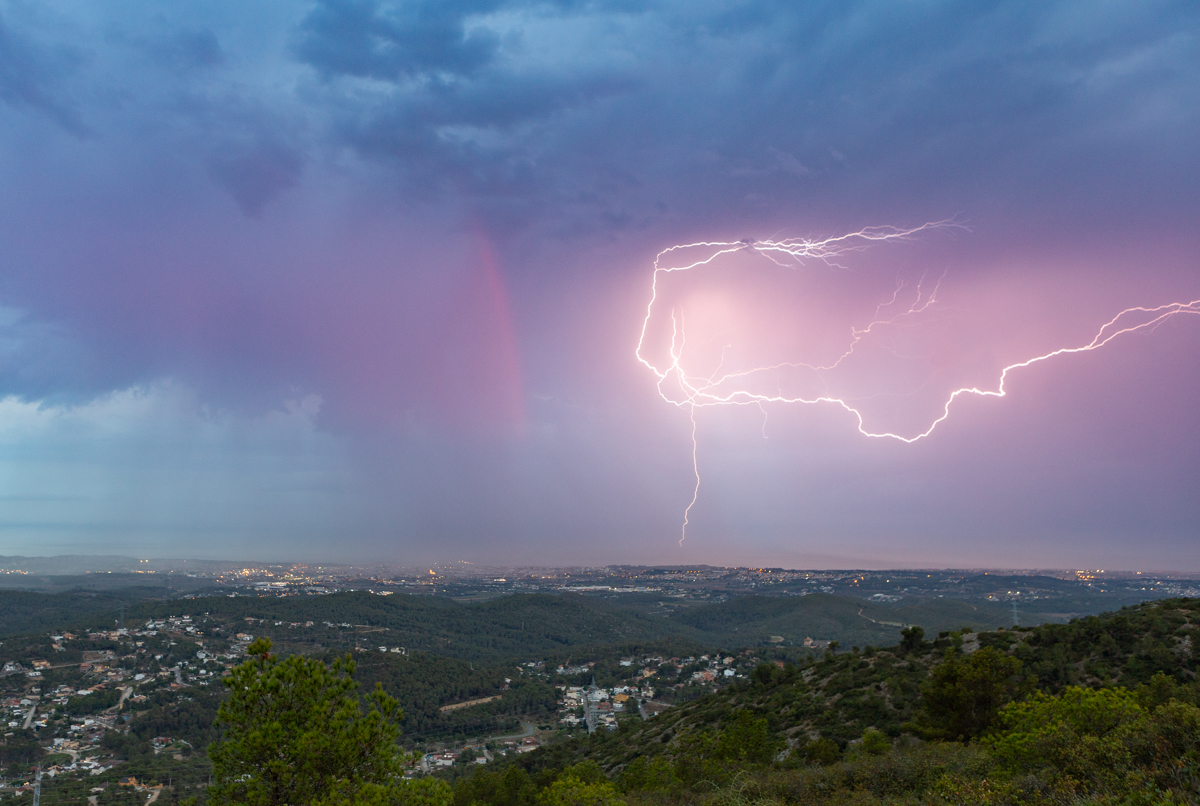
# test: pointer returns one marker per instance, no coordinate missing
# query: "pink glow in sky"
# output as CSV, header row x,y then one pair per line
x,y
763,324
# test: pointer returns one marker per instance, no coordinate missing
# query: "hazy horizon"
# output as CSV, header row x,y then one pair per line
x,y
448,566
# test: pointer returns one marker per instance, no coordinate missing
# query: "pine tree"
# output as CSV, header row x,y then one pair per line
x,y
963,694
296,733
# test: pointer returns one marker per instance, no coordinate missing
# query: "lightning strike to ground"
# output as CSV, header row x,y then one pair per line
x,y
723,390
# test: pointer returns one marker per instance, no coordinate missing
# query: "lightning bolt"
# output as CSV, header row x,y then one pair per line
x,y
713,390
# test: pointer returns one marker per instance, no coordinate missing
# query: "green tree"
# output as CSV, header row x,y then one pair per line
x,y
581,785
747,738
875,743
766,674
1167,749
1103,742
295,733
649,775
1159,690
963,694
911,639
1077,733
512,787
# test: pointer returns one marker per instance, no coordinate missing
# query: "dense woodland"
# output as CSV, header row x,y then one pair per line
x,y
518,625
30,612
423,683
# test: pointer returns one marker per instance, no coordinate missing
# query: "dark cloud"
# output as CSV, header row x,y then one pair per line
x,y
477,136
31,76
393,41
189,50
256,174
43,361
712,110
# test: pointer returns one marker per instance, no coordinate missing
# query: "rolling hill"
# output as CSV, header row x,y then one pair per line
x,y
517,625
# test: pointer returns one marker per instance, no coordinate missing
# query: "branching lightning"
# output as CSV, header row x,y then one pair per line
x,y
729,389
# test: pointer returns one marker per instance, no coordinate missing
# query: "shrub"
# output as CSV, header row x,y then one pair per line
x,y
875,743
821,751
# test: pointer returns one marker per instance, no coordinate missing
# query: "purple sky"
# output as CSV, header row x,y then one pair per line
x,y
364,280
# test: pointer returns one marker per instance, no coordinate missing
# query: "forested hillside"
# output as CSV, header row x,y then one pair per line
x,y
518,625
754,620
1101,710
500,628
423,683
27,612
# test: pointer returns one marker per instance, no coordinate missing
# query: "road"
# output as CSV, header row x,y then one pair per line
x,y
125,692
589,709
881,623
29,717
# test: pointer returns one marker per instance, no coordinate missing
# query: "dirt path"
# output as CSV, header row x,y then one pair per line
x,y
882,623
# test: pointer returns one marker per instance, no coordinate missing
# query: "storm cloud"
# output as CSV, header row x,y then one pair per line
x,y
438,218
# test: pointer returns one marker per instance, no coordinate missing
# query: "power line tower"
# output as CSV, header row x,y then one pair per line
x,y
37,787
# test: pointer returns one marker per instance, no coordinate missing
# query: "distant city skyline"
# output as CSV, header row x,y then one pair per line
x,y
365,282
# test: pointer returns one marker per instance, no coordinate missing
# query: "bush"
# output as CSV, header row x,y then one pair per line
x,y
649,775
875,743
581,785
821,751
747,739
1102,743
